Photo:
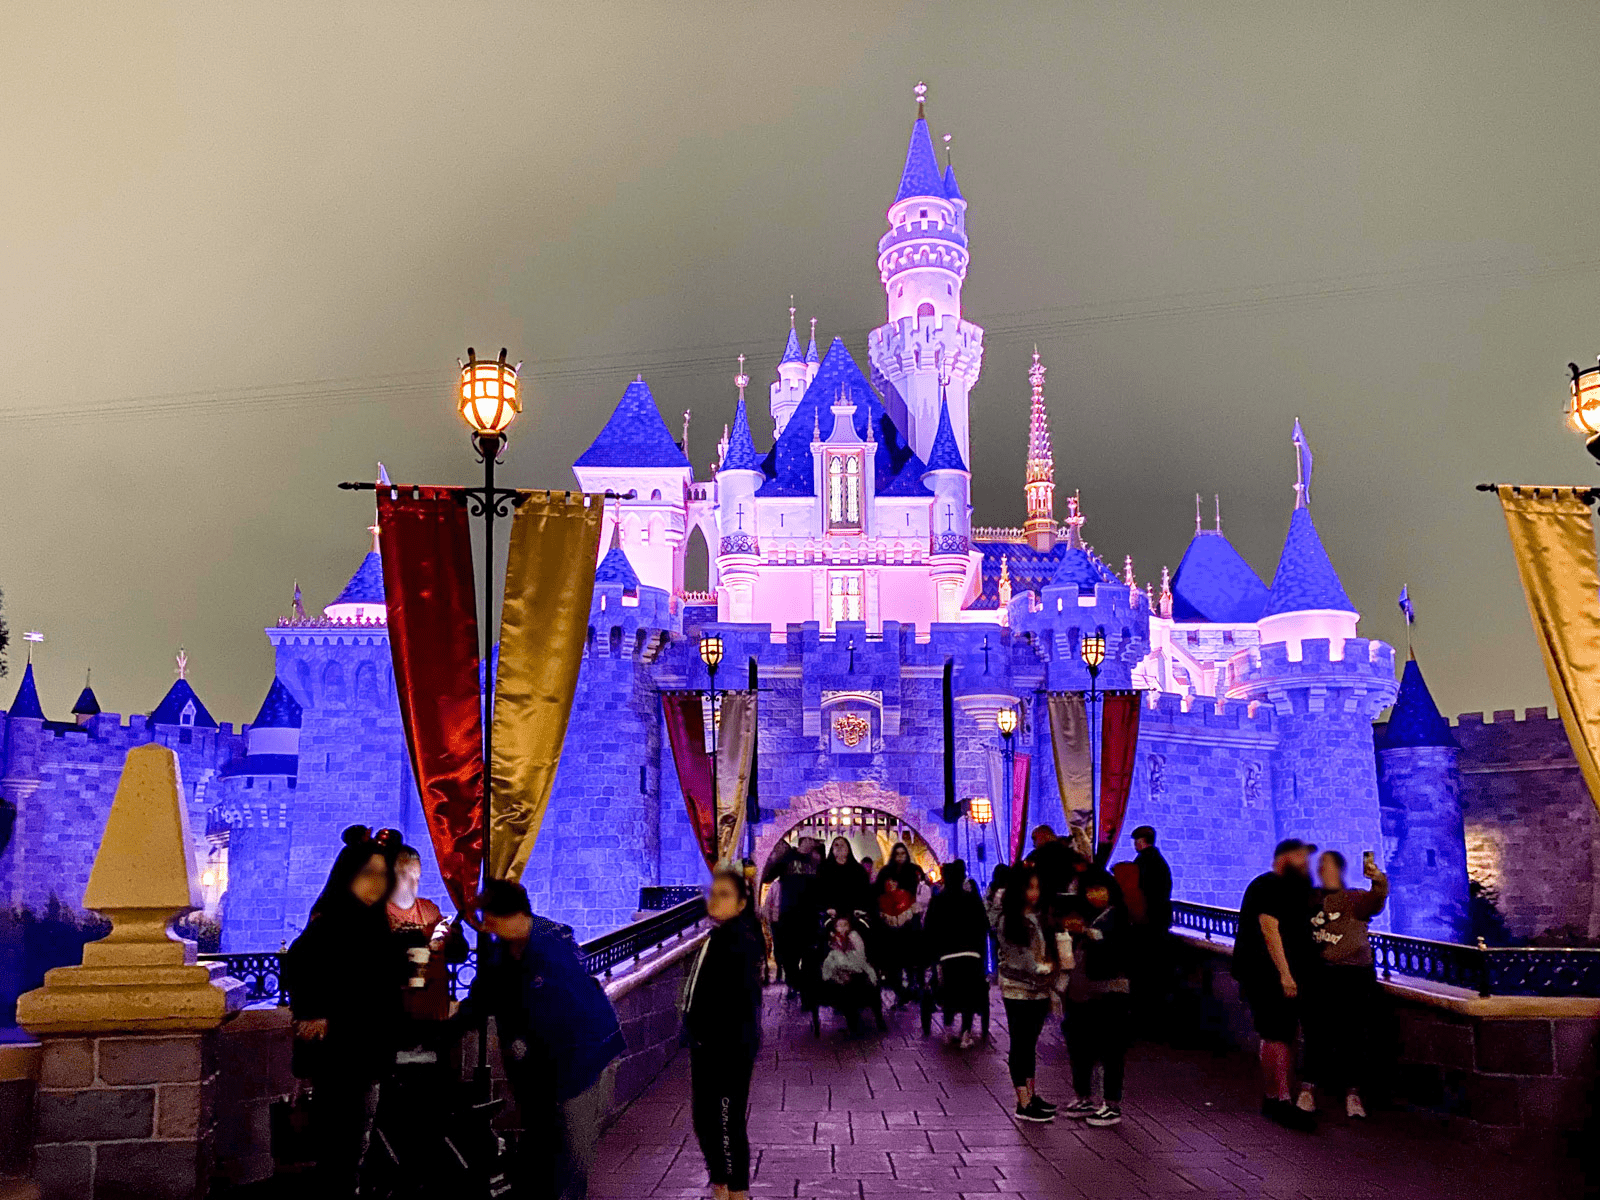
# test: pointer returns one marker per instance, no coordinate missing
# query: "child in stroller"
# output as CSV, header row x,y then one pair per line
x,y
846,981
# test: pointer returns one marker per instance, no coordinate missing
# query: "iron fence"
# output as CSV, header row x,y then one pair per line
x,y
1487,970
262,972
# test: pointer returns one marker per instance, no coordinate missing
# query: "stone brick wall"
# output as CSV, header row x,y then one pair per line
x,y
1532,831
124,1115
1425,844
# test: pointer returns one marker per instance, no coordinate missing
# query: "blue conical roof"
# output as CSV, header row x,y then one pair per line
x,y
1079,568
741,455
1305,578
280,710
366,585
27,703
88,704
788,466
811,350
615,568
635,436
944,454
921,175
950,189
791,349
1214,584
179,696
1415,719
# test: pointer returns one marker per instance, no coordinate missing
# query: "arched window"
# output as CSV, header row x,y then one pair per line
x,y
656,494
844,492
696,562
924,310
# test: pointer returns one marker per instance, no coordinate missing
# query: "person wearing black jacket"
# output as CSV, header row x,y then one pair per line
x,y
345,976
722,1021
842,887
956,929
1097,1003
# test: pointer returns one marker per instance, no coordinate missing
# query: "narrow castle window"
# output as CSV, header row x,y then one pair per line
x,y
924,310
844,492
844,596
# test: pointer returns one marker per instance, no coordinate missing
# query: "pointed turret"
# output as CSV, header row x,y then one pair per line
x,y
1040,479
635,435
616,569
794,375
951,191
921,176
26,703
1305,580
361,599
86,706
945,455
182,707
812,356
1214,584
741,455
1415,720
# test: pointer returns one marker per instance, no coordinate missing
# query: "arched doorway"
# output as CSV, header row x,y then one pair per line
x,y
864,799
696,562
871,832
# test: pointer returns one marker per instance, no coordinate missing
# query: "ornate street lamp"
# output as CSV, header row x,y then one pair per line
x,y
1584,412
1092,651
1006,722
711,655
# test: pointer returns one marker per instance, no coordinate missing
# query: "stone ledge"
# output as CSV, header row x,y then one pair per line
x,y
652,965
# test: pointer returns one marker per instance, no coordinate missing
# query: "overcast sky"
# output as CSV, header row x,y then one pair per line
x,y
241,246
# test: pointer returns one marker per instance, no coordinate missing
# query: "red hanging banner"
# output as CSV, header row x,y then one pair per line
x,y
686,730
426,545
1019,805
1119,738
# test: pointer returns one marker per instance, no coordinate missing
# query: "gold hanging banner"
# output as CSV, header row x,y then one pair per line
x,y
1069,743
736,743
1552,536
555,541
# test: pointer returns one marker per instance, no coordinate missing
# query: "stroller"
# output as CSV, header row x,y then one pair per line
x,y
829,982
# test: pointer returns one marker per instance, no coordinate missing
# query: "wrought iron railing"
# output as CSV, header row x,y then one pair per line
x,y
654,899
262,973
1487,970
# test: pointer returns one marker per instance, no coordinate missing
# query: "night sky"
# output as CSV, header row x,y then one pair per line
x,y
242,245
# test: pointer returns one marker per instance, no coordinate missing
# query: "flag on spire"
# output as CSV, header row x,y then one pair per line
x,y
1405,605
1302,467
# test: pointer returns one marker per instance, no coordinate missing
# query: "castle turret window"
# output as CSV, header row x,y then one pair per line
x,y
844,596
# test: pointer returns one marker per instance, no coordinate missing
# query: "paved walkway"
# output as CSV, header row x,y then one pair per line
x,y
895,1115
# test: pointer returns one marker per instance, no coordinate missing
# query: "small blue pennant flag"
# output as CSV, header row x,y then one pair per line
x,y
1405,605
1303,464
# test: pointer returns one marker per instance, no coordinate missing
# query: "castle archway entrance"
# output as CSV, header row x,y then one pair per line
x,y
863,811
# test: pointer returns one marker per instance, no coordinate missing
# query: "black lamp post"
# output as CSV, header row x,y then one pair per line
x,y
711,655
1006,721
1093,653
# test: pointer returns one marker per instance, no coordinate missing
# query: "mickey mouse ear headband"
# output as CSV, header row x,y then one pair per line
x,y
384,841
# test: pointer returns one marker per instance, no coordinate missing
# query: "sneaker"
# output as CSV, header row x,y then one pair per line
x,y
1106,1114
1306,1101
1284,1112
1079,1109
1353,1108
1032,1112
1045,1104
968,1040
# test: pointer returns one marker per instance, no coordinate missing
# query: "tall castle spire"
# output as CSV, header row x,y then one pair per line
x,y
1040,484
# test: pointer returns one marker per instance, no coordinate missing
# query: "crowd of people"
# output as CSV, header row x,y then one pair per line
x,y
369,986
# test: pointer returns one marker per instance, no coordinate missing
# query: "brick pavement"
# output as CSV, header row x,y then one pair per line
x,y
895,1115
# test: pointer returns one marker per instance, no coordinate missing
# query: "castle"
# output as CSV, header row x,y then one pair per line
x,y
848,581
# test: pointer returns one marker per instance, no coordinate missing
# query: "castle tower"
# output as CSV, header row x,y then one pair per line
x,y
1325,686
634,452
1040,480
738,555
1419,787
922,262
948,478
794,375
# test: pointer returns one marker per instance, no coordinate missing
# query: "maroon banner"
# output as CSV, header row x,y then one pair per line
x,y
426,544
1119,738
686,730
1019,805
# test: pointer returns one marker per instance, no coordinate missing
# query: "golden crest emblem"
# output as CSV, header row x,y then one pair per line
x,y
850,728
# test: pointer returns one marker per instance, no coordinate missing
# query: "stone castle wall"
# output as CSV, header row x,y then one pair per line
x,y
1532,830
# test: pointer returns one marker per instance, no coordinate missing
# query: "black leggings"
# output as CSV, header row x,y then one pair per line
x,y
344,1108
719,1089
1025,1019
1097,1032
1340,1006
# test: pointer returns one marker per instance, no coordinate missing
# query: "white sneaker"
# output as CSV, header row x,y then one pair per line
x,y
1353,1107
968,1040
1306,1101
1104,1116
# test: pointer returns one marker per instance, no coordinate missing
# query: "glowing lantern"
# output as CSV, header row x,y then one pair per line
x,y
980,810
489,399
711,651
1006,721
1585,411
1093,650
